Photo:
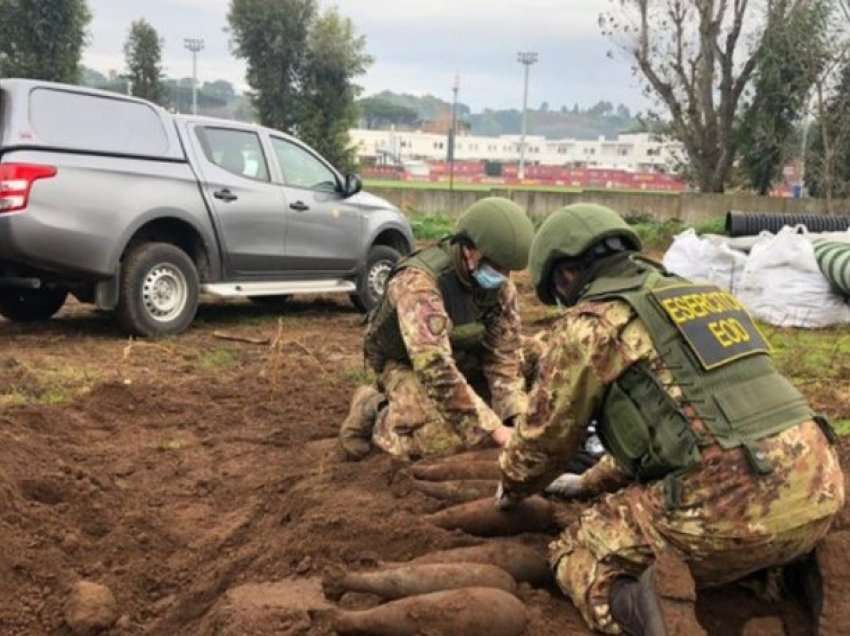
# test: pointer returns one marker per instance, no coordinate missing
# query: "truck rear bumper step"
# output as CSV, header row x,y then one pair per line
x,y
266,288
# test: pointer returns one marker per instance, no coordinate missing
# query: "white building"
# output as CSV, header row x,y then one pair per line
x,y
640,152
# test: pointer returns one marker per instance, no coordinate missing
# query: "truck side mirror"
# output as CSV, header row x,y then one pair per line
x,y
353,185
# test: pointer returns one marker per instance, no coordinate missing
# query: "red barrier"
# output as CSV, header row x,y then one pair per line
x,y
536,175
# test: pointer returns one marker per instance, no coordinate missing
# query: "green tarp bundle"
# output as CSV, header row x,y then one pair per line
x,y
834,261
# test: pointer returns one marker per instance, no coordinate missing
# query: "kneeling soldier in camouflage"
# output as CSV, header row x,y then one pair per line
x,y
713,456
445,344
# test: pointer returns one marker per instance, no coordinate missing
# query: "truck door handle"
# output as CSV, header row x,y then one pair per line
x,y
225,195
299,206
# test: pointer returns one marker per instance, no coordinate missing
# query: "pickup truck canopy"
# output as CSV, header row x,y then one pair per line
x,y
38,114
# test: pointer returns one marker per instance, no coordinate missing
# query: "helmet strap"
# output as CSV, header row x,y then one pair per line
x,y
589,268
461,267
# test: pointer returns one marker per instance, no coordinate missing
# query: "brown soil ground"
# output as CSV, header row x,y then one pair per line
x,y
198,478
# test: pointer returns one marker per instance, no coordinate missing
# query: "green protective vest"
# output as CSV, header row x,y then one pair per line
x,y
717,356
466,306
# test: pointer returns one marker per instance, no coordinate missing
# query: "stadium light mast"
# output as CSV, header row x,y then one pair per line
x,y
195,45
452,137
526,58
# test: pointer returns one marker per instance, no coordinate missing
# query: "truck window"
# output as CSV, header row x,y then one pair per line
x,y
301,169
237,151
78,121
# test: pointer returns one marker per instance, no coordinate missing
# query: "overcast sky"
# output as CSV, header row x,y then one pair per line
x,y
418,46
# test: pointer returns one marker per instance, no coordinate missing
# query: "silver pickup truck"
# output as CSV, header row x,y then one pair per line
x,y
126,206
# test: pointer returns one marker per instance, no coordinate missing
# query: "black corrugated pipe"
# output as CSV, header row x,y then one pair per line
x,y
742,224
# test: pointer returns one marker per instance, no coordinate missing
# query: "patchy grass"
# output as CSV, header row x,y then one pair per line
x,y
817,361
358,375
47,382
842,427
811,355
218,358
431,227
716,225
657,235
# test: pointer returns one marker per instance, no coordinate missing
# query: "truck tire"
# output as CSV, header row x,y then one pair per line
x,y
371,282
159,290
31,305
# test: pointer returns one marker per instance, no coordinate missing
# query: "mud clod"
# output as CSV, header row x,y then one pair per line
x,y
90,609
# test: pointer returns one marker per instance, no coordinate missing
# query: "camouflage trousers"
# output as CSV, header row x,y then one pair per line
x,y
411,427
729,524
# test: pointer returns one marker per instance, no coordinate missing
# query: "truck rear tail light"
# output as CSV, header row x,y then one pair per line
x,y
16,181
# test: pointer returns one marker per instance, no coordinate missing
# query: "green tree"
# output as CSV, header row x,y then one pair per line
x,y
143,55
783,80
381,113
335,57
43,39
272,37
221,89
697,58
828,173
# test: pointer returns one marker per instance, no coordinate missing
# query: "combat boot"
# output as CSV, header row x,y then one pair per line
x,y
822,579
355,434
660,603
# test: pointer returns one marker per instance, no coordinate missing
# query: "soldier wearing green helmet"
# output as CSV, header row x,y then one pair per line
x,y
445,343
715,468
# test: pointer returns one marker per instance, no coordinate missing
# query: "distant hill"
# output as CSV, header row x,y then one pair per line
x,y
427,107
215,99
600,120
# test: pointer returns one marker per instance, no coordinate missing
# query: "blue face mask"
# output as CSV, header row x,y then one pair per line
x,y
489,278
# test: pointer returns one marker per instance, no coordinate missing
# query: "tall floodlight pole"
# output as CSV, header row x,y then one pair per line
x,y
452,137
195,45
807,123
526,58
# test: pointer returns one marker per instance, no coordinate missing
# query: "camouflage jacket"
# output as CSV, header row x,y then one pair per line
x,y
588,349
425,327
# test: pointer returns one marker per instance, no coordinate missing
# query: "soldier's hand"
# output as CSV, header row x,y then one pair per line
x,y
568,486
502,435
505,500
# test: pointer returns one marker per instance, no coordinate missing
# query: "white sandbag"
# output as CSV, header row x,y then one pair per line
x,y
686,257
783,285
705,260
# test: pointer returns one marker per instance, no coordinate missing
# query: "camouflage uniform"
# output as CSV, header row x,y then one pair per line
x,y
728,523
433,406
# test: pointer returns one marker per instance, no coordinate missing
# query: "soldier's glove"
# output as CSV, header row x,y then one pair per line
x,y
505,500
568,486
502,436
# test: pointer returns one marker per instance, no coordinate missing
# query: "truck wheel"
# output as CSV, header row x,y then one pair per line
x,y
31,305
159,290
372,281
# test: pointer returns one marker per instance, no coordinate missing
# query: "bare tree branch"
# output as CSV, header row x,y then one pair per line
x,y
699,67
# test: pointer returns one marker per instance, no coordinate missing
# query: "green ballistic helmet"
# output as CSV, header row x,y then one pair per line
x,y
570,233
500,230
